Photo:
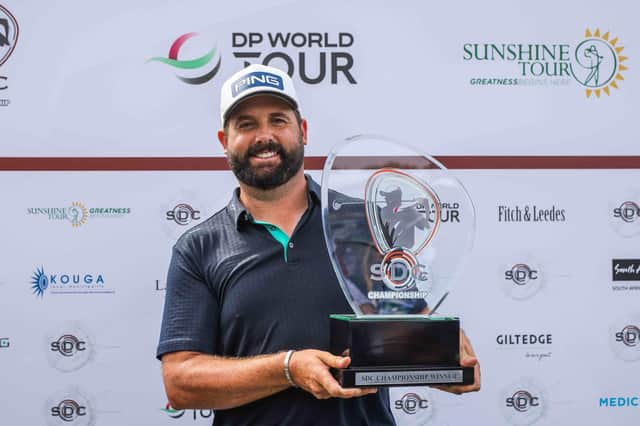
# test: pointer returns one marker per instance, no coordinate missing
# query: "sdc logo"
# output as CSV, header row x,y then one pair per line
x,y
522,401
68,345
183,214
68,410
521,274
411,403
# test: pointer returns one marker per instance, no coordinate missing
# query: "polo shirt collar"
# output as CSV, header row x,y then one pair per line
x,y
240,214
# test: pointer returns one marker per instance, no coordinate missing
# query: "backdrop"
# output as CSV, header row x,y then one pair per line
x,y
108,120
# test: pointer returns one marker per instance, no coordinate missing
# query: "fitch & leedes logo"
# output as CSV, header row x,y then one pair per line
x,y
596,63
188,65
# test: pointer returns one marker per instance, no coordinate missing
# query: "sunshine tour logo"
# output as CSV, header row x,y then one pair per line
x,y
68,283
314,57
77,213
595,63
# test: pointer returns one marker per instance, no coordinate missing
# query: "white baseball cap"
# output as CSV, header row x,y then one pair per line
x,y
252,81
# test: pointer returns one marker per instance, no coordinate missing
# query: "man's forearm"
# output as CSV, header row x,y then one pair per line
x,y
195,380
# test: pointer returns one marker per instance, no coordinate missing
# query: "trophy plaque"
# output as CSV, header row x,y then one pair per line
x,y
398,226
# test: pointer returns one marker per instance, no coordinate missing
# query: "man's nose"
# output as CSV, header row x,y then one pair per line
x,y
264,133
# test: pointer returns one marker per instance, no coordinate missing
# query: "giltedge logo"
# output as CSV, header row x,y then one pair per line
x,y
535,346
4,342
595,63
197,65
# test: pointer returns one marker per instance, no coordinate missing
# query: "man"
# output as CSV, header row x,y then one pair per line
x,y
249,291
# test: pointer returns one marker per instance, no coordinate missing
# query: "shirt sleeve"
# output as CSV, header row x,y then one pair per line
x,y
191,310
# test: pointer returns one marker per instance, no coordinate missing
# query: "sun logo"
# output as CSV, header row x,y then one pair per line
x,y
39,282
77,214
598,63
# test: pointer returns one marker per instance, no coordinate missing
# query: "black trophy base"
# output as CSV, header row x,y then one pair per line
x,y
403,376
398,350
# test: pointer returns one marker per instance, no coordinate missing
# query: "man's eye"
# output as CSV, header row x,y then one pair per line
x,y
244,124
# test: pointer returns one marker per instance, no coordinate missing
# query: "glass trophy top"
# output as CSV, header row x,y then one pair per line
x,y
398,226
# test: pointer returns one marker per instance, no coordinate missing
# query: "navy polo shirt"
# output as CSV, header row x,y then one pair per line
x,y
231,292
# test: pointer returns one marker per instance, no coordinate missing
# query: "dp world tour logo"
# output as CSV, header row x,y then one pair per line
x,y
190,65
9,31
597,63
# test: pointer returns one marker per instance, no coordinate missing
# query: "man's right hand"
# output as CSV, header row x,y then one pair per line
x,y
310,371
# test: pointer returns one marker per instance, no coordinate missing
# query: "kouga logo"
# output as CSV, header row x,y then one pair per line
x,y
196,65
68,283
9,32
595,63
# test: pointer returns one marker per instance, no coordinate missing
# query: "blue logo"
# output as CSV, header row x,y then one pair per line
x,y
620,401
39,282
256,79
73,283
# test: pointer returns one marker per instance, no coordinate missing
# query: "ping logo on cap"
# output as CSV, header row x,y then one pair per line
x,y
256,79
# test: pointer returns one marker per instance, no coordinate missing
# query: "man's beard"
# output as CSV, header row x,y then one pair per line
x,y
267,177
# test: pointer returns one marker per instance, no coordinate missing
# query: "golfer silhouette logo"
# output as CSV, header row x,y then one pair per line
x,y
403,214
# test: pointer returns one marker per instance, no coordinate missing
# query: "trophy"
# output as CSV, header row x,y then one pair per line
x,y
398,226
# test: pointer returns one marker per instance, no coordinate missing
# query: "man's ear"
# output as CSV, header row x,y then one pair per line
x,y
222,137
303,128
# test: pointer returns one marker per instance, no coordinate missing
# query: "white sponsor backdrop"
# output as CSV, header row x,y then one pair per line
x,y
80,85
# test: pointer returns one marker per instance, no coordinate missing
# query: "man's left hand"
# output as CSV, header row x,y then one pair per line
x,y
467,359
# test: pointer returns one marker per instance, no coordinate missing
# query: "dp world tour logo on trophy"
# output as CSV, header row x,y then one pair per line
x,y
597,63
197,66
403,214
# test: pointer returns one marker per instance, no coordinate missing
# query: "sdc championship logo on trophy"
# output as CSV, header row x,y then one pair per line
x,y
395,261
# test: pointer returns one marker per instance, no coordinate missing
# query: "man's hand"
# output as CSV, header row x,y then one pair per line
x,y
310,371
467,359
